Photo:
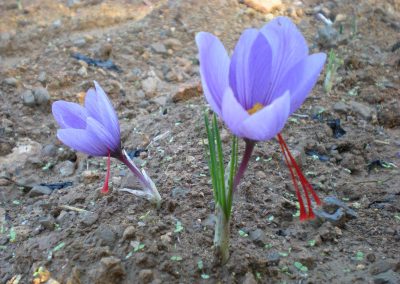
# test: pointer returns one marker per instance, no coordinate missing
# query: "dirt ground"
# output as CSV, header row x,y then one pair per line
x,y
56,226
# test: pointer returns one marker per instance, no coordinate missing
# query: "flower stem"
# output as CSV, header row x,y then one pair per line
x,y
149,189
243,164
221,235
105,186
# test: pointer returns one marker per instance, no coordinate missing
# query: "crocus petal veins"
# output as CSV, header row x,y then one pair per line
x,y
307,188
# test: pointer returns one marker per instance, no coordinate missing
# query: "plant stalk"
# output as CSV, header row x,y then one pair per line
x,y
243,164
221,236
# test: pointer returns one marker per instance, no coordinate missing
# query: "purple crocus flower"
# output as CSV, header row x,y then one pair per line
x,y
94,130
255,91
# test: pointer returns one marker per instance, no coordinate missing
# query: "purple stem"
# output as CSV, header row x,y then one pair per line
x,y
134,170
243,164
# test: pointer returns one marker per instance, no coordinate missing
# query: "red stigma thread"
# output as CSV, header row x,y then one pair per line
x,y
105,186
307,188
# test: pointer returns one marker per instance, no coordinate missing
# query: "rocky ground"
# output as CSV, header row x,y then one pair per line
x,y
56,226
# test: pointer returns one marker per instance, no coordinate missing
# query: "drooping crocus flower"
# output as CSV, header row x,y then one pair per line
x,y
93,129
267,78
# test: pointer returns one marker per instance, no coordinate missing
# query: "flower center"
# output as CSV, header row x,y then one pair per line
x,y
256,107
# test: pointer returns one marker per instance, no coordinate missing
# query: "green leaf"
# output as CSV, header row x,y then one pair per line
x,y
13,235
200,265
178,227
243,234
311,243
176,258
59,246
300,266
138,247
205,276
359,256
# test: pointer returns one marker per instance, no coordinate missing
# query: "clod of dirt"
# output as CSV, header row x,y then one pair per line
x,y
109,270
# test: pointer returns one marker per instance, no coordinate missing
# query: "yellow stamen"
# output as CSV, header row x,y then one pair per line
x,y
255,108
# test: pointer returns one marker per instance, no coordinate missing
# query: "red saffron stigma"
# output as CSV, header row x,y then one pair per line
x,y
307,188
105,186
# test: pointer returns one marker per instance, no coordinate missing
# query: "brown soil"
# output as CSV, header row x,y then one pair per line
x,y
77,235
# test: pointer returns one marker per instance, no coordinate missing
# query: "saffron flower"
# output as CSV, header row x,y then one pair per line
x,y
256,90
94,129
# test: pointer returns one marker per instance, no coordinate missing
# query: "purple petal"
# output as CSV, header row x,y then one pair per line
x,y
250,68
302,78
239,71
82,141
288,48
100,108
232,112
214,68
112,143
69,115
269,121
95,140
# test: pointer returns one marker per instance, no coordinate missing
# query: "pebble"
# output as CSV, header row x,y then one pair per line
x,y
166,239
179,192
273,258
89,176
39,190
47,222
146,276
88,218
341,107
27,98
42,78
388,277
57,24
264,6
111,271
12,82
103,51
159,48
106,235
362,110
41,95
67,168
149,85
249,278
258,237
83,72
327,36
173,43
187,91
380,266
79,42
129,233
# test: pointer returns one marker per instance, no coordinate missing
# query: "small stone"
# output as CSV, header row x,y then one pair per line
x,y
57,24
159,48
166,239
380,266
47,222
49,150
249,278
106,235
89,176
161,100
73,3
88,218
149,85
258,237
39,190
111,271
103,51
41,95
28,98
79,42
146,276
42,77
360,266
129,233
327,36
388,277
67,168
273,258
264,6
341,107
173,43
83,72
364,111
187,92
371,257
12,82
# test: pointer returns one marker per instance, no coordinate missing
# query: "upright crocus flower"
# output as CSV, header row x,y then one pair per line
x,y
93,129
255,91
